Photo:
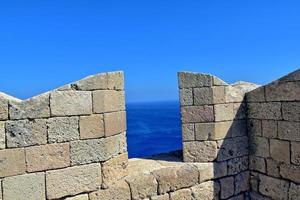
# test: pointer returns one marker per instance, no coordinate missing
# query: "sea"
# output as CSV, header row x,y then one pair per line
x,y
153,128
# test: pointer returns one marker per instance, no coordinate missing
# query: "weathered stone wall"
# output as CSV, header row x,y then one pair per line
x,y
64,142
274,129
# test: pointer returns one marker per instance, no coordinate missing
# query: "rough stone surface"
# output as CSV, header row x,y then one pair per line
x,y
12,162
28,186
2,135
264,110
291,172
294,192
91,126
254,127
200,151
291,111
118,191
63,129
283,91
95,82
289,130
188,132
79,197
295,156
206,191
114,123
209,95
274,188
237,165
115,80
142,186
227,187
108,101
67,103
211,170
242,182
280,150
269,129
273,168
186,97
3,108
192,114
232,147
73,180
223,112
161,197
36,107
257,95
24,133
260,147
257,164
183,194
190,80
50,156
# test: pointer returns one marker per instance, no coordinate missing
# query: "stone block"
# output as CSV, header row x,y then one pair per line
x,y
283,91
161,197
259,146
218,82
239,110
238,128
12,162
175,178
118,191
291,111
289,130
63,129
203,131
188,132
27,186
3,108
45,157
108,101
257,164
114,169
272,187
91,126
211,170
257,95
24,133
254,127
199,151
114,123
271,110
95,82
209,95
79,197
242,182
115,80
227,187
295,153
192,114
237,165
186,97
232,148
233,94
73,180
191,80
290,172
223,112
294,192
2,135
68,103
269,128
280,150
206,191
183,194
36,107
273,168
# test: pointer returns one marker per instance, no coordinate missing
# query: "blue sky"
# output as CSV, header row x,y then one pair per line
x,y
45,44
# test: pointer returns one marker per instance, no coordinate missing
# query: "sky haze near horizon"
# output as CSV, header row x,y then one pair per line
x,y
46,44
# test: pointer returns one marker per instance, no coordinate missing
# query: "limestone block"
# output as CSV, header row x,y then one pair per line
x,y
211,170
188,132
3,108
79,197
2,135
45,157
227,187
108,101
191,80
239,110
183,194
118,191
257,95
280,150
91,126
271,110
222,130
209,95
283,91
237,165
73,180
199,151
291,111
291,172
254,127
223,112
114,123
67,103
204,130
294,192
242,182
142,186
269,128
193,114
257,196
115,80
295,156
233,94
272,187
95,82
1,189
218,82
257,164
63,129
214,130
206,191
289,130
36,107
27,186
174,178
273,168
114,169
186,97
238,128
12,162
232,147
259,146
24,133
161,197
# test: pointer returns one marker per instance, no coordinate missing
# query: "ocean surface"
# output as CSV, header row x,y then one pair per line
x,y
153,127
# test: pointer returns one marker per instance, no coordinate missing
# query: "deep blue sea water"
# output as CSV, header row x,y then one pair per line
x,y
153,127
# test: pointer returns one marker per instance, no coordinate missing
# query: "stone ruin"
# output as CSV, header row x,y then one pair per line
x,y
240,142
